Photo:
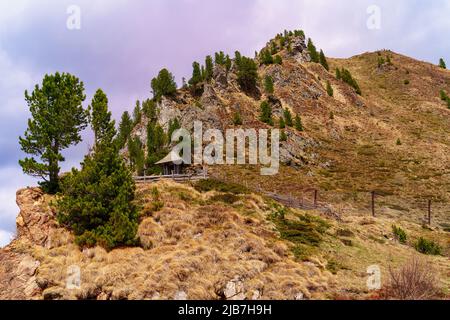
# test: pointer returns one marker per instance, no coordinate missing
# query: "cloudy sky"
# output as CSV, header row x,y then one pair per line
x,y
121,45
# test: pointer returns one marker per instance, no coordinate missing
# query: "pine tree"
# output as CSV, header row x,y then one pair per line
x,y
330,90
196,74
247,74
323,60
266,113
137,113
313,51
156,143
268,84
338,74
173,126
149,109
220,58
136,155
282,123
347,78
278,59
298,123
283,136
125,128
237,58
228,63
163,85
266,57
97,201
100,117
443,95
288,117
209,68
57,118
442,64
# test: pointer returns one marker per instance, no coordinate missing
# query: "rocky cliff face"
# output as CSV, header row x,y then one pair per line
x,y
18,266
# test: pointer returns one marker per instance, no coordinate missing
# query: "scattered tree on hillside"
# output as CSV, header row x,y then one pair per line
x,y
237,58
288,117
196,75
338,74
278,59
268,84
323,60
173,126
125,128
228,63
442,64
330,90
209,68
220,58
137,113
313,51
266,113
97,201
266,57
247,74
282,123
57,118
163,85
149,109
156,146
298,123
136,155
346,76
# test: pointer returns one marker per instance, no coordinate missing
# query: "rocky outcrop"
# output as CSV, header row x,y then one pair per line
x,y
35,219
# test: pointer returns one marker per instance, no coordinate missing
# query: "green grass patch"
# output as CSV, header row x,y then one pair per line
x,y
306,232
399,234
212,184
228,198
428,247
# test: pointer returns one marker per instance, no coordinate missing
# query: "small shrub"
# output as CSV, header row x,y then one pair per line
x,y
414,281
406,82
399,234
237,119
399,142
428,247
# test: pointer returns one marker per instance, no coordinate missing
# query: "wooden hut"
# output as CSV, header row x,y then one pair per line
x,y
172,164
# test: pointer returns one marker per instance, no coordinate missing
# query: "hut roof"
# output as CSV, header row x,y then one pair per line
x,y
172,157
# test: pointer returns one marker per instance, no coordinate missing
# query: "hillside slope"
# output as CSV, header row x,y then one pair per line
x,y
393,139
206,245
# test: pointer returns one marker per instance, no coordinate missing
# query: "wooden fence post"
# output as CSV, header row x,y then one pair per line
x,y
429,212
373,203
315,198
